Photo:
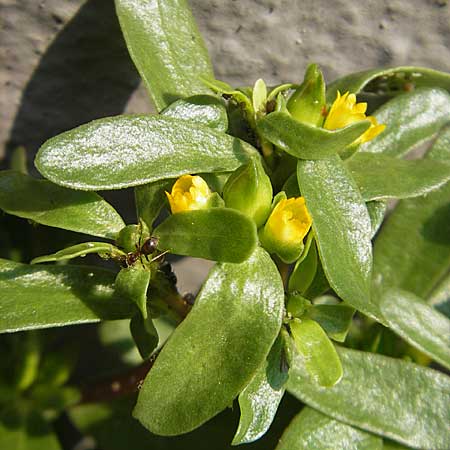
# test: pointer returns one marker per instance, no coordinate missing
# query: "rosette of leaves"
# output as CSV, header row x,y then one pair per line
x,y
334,329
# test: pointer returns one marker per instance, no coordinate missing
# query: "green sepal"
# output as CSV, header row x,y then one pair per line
x,y
307,103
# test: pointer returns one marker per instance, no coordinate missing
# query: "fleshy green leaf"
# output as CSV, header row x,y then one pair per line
x,y
144,334
440,297
123,151
201,109
342,228
50,296
218,348
318,352
410,119
260,399
412,250
389,81
220,234
150,199
312,430
418,323
131,285
164,43
334,319
382,177
306,141
393,398
377,210
80,250
54,206
305,269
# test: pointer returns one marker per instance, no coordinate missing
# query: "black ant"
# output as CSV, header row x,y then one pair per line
x,y
147,248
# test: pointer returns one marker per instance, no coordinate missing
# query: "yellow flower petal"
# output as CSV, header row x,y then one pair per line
x,y
188,193
346,111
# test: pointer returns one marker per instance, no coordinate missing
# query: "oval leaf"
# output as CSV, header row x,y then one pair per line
x,y
318,352
220,234
51,296
412,250
260,399
410,120
217,348
440,297
377,211
382,81
418,323
390,397
201,109
164,43
382,177
123,151
54,206
80,250
312,430
342,227
306,141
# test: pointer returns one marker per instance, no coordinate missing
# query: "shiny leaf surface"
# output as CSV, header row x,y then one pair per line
x,y
166,47
260,399
393,398
410,120
418,323
123,151
51,296
218,347
342,227
312,430
54,206
381,177
306,141
220,234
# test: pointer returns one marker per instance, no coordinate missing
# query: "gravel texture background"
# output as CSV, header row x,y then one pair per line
x,y
64,62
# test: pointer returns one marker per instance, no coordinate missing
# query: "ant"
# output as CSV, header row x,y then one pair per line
x,y
147,248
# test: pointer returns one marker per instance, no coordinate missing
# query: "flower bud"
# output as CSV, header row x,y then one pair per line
x,y
307,103
249,190
285,229
345,111
189,193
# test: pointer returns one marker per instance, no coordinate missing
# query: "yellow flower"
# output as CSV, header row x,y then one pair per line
x,y
286,227
346,111
188,193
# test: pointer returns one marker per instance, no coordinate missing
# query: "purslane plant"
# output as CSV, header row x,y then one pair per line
x,y
286,188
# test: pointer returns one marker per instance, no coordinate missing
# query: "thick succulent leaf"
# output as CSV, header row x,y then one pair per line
x,y
166,47
26,430
131,285
412,250
220,234
150,199
144,334
201,109
410,120
80,250
342,227
440,297
306,141
55,206
312,430
418,323
381,177
218,348
318,352
260,399
123,151
334,319
382,81
50,296
393,398
304,270
377,210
